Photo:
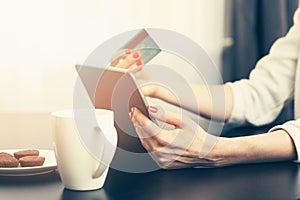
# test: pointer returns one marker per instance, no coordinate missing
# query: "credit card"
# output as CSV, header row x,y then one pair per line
x,y
143,43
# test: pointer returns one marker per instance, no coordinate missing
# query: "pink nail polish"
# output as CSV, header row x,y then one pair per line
x,y
136,55
139,63
127,51
132,110
153,109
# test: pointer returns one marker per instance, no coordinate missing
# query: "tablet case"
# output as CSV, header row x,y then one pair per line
x,y
116,89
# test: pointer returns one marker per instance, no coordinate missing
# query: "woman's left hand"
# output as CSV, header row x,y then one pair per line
x,y
128,59
186,145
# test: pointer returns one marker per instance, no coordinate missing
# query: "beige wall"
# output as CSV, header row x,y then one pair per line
x,y
42,40
25,130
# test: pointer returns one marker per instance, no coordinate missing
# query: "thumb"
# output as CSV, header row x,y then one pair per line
x,y
168,117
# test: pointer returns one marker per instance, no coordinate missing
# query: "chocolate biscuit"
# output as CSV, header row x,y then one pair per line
x,y
8,161
4,154
31,161
24,153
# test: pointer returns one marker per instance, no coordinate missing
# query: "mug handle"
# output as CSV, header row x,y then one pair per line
x,y
101,166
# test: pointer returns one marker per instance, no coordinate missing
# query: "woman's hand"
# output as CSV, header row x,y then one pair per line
x,y
187,145
160,92
128,60
204,95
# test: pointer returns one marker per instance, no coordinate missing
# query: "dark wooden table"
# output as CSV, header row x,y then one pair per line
x,y
256,181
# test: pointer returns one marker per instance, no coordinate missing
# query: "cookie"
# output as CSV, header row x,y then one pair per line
x,y
24,153
4,154
8,161
31,161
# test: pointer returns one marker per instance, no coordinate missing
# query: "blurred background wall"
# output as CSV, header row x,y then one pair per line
x,y
40,42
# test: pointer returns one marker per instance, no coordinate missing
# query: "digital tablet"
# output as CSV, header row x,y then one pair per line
x,y
116,89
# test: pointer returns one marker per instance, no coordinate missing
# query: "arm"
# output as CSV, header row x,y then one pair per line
x,y
188,145
258,99
269,147
205,95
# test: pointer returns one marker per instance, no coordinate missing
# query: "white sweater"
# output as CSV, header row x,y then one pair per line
x,y
274,81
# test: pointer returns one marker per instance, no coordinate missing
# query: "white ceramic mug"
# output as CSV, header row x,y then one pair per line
x,y
78,167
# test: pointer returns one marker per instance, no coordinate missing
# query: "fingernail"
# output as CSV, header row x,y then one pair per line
x,y
132,110
153,109
139,63
128,51
136,55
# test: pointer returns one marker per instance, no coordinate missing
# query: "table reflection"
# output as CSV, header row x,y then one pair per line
x,y
84,195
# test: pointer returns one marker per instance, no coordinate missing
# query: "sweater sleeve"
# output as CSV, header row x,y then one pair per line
x,y
293,129
259,99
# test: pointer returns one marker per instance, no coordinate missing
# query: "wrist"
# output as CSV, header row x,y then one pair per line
x,y
221,153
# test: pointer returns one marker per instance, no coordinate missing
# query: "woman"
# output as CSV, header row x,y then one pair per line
x,y
257,100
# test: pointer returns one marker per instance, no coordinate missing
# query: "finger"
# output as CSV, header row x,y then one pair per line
x,y
168,117
128,60
137,66
120,58
138,118
147,127
147,142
